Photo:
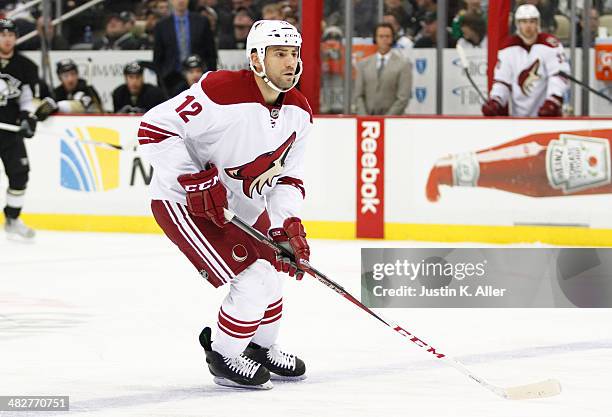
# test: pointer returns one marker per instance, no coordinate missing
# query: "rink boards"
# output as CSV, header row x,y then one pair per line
x,y
351,172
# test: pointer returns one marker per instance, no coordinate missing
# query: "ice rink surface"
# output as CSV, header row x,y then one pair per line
x,y
112,321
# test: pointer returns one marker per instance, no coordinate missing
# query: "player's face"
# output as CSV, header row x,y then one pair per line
x,y
192,75
69,80
528,28
281,64
134,83
7,42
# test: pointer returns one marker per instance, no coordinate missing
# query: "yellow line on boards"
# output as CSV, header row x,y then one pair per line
x,y
564,236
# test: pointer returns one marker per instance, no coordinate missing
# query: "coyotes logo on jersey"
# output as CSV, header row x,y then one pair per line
x,y
528,77
262,170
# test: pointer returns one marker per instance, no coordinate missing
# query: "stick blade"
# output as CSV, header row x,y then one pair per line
x,y
542,389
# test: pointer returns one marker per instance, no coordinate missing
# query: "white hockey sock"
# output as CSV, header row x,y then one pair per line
x,y
243,308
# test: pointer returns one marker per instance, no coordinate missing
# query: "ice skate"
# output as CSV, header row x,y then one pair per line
x,y
282,366
17,230
238,372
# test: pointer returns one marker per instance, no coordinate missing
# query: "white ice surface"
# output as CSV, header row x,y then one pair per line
x,y
112,320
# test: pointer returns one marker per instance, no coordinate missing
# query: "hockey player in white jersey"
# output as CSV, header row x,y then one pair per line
x,y
526,76
235,139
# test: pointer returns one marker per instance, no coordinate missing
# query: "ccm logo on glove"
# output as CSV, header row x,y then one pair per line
x,y
203,185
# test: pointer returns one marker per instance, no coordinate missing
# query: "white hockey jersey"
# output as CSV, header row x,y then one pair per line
x,y
528,75
223,119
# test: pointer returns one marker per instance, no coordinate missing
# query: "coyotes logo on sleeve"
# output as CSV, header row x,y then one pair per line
x,y
528,77
262,170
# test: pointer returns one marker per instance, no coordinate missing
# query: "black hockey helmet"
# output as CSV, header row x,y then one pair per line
x,y
66,65
7,25
133,68
193,61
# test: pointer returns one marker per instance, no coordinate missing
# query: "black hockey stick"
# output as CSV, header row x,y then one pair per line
x,y
585,86
465,65
541,389
16,129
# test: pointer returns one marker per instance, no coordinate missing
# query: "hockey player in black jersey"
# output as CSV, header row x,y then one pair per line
x,y
74,95
18,80
136,96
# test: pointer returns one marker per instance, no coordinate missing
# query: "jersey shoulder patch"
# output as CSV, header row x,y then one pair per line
x,y
229,87
548,40
294,97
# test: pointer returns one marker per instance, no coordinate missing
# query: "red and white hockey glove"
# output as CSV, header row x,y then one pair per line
x,y
551,107
494,108
293,238
206,195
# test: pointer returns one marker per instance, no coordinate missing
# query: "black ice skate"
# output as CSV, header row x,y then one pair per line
x,y
282,366
239,372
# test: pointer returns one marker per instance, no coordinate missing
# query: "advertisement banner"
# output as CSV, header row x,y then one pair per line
x,y
424,68
459,96
370,177
552,173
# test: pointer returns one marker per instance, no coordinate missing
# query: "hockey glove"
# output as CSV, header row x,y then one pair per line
x,y
551,107
206,195
27,125
293,238
494,108
47,107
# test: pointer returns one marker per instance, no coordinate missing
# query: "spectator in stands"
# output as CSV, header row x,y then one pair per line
x,y
162,7
54,41
117,34
193,69
470,6
384,80
73,95
474,31
211,14
424,8
136,96
401,11
593,26
428,36
237,38
178,36
272,11
402,42
151,19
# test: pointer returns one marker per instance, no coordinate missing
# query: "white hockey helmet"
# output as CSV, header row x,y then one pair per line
x,y
266,33
526,11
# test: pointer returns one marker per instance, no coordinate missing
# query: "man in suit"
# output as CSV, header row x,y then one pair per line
x,y
178,36
384,80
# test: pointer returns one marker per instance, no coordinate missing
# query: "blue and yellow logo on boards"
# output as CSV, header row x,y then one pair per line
x,y
86,164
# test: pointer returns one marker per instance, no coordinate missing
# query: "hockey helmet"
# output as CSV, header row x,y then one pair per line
x,y
66,65
133,68
266,33
526,11
7,25
193,61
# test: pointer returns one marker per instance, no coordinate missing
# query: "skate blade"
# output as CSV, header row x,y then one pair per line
x,y
275,377
227,383
20,239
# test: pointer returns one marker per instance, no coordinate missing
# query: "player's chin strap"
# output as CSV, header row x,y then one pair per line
x,y
273,86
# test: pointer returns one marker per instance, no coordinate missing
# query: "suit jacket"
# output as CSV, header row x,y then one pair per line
x,y
388,95
165,48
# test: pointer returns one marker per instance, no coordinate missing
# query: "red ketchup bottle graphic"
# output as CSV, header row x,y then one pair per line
x,y
538,165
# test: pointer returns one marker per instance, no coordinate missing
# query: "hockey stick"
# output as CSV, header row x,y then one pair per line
x,y
585,86
465,65
16,129
541,389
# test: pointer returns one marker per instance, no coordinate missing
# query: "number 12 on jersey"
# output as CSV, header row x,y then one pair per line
x,y
195,108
